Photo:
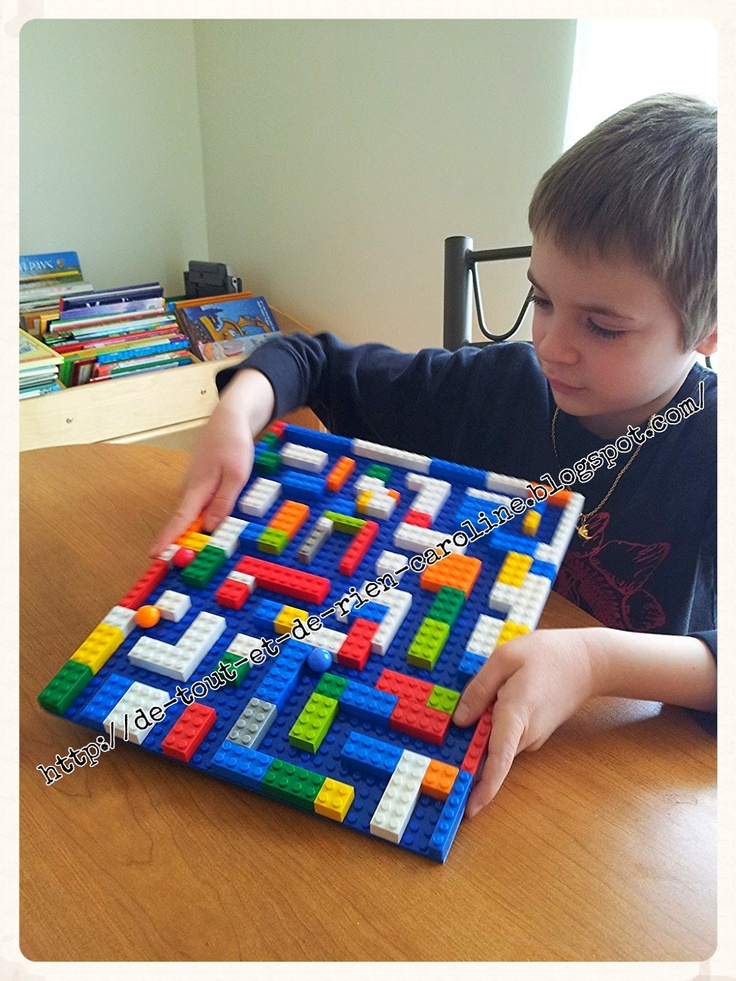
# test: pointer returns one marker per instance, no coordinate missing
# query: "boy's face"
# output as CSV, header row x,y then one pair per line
x,y
606,338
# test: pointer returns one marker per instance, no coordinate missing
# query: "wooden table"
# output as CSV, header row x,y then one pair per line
x,y
601,846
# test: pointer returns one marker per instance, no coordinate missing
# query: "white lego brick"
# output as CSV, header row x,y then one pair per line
x,y
413,538
390,456
181,660
364,483
502,596
253,723
173,605
498,499
242,645
399,603
303,457
199,639
388,563
514,486
259,497
528,605
380,506
327,639
250,581
485,635
432,493
138,696
227,535
122,618
168,553
399,799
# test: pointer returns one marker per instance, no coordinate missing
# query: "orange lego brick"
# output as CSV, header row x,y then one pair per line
x,y
457,571
438,779
289,518
338,476
560,498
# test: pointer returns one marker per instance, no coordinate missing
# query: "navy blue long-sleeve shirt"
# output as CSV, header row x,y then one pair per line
x,y
650,563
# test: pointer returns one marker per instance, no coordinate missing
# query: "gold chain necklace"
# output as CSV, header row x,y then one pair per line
x,y
582,528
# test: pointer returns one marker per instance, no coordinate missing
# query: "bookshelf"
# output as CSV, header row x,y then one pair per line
x,y
165,408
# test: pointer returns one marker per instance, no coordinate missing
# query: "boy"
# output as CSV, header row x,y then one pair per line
x,y
623,271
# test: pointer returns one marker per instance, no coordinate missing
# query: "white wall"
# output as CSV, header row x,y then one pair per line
x,y
110,152
338,155
324,161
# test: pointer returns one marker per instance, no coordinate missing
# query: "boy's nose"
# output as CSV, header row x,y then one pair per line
x,y
555,344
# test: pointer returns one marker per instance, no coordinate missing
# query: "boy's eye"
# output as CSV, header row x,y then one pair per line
x,y
539,301
594,328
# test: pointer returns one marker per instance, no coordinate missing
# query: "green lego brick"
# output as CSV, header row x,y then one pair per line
x,y
292,784
241,670
378,470
267,462
331,685
313,723
447,605
345,523
203,566
270,439
273,541
443,699
428,643
64,687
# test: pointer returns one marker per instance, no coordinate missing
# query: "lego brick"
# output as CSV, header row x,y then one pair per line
x,y
439,779
428,643
458,571
287,582
66,685
356,648
185,737
315,540
331,685
357,549
292,784
389,563
303,457
379,472
289,518
303,487
260,497
372,756
484,638
180,660
449,820
150,579
443,699
122,618
334,799
273,541
227,535
447,605
266,462
432,494
232,593
173,605
313,722
400,796
478,747
200,572
133,713
340,473
253,723
420,721
99,647
468,667
364,702
514,569
391,457
404,686
241,764
104,700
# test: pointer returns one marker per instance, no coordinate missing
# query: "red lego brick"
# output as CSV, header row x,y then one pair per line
x,y
411,689
419,721
478,744
278,428
355,552
185,736
418,518
356,648
151,578
287,582
232,593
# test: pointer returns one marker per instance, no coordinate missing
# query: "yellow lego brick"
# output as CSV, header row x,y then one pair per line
x,y
362,500
511,630
334,799
193,540
530,524
285,620
515,568
98,647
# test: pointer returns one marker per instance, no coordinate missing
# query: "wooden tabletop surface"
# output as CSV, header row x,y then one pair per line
x,y
600,846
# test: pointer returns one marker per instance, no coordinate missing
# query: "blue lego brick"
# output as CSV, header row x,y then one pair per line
x,y
540,568
241,764
455,473
469,666
450,818
359,749
303,487
336,446
97,708
371,755
367,703
548,524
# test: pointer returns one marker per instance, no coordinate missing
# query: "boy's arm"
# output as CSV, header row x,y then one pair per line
x,y
537,681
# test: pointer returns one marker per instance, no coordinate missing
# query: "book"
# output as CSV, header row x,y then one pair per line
x,y
146,305
227,326
38,366
120,294
49,265
32,352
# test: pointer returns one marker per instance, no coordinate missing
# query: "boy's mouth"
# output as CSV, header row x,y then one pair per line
x,y
563,387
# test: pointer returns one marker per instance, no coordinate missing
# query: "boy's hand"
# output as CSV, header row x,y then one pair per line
x,y
534,682
223,460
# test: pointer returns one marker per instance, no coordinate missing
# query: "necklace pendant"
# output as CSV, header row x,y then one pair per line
x,y
583,530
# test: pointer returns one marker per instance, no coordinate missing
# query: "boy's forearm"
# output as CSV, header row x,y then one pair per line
x,y
656,667
250,397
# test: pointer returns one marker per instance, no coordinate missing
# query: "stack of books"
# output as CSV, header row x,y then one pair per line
x,y
38,369
43,280
228,326
106,334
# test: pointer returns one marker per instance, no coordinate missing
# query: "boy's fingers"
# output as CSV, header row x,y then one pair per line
x,y
223,502
503,745
189,509
479,693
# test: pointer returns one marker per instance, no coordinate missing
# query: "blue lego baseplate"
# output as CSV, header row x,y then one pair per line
x,y
324,553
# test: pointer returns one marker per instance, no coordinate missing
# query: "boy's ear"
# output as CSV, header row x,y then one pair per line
x,y
709,344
